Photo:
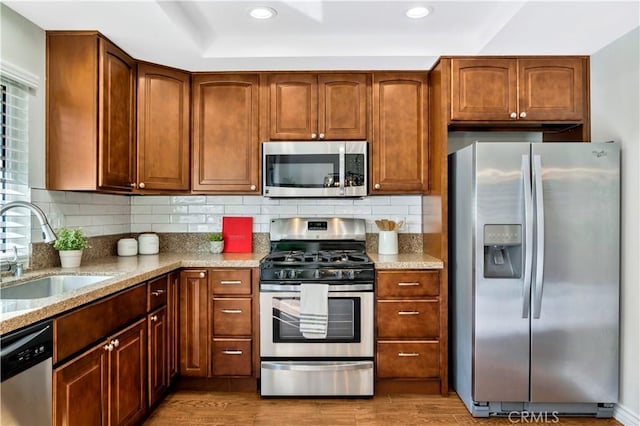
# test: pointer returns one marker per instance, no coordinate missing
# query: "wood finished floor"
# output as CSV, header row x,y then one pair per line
x,y
240,409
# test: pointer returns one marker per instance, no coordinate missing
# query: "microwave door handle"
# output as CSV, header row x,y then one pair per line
x,y
342,166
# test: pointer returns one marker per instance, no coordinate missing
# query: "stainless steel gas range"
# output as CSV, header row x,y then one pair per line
x,y
316,309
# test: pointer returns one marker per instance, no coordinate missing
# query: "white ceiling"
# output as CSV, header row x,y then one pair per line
x,y
333,34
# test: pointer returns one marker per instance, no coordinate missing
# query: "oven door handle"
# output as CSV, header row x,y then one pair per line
x,y
277,288
311,366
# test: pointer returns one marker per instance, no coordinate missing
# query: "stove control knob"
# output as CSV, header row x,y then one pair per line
x,y
317,274
293,273
338,274
351,274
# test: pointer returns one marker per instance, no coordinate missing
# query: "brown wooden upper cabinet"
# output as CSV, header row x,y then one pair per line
x,y
310,106
90,113
163,129
519,89
226,145
399,151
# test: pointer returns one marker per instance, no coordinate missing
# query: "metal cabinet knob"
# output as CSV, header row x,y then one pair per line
x,y
252,187
115,343
141,185
376,186
321,135
201,275
133,184
154,318
108,347
513,115
314,135
523,114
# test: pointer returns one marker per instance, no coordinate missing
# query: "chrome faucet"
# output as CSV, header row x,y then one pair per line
x,y
47,232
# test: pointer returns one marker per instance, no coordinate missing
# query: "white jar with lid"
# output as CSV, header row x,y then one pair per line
x,y
148,243
127,247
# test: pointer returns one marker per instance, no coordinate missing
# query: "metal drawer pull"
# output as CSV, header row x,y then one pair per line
x,y
231,282
231,311
407,284
232,352
408,312
157,292
154,318
408,354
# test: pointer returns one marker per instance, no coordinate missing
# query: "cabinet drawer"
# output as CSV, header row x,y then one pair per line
x,y
407,284
402,319
86,325
157,292
231,357
231,316
230,281
408,359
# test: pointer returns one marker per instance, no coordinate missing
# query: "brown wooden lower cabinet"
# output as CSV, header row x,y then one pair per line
x,y
81,389
106,384
193,323
415,359
410,332
173,327
231,357
158,355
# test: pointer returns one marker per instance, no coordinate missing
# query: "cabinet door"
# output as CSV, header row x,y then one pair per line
x,y
484,89
173,303
116,160
193,323
163,128
80,389
342,106
72,111
399,146
293,106
127,375
226,145
551,89
157,355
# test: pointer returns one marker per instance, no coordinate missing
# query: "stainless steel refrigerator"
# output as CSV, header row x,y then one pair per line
x,y
534,277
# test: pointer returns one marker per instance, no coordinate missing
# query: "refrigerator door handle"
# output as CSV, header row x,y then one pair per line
x,y
528,231
538,190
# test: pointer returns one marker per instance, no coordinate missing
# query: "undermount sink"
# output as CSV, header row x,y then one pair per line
x,y
49,286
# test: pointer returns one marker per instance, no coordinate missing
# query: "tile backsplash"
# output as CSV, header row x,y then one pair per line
x,y
202,213
105,214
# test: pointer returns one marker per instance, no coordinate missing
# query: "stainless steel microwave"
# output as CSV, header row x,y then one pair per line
x,y
314,169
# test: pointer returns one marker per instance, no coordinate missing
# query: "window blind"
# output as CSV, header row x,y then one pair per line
x,y
15,225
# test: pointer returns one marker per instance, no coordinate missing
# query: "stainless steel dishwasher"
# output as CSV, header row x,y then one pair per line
x,y
25,376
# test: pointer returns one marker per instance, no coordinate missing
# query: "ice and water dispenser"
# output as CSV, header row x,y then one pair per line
x,y
502,251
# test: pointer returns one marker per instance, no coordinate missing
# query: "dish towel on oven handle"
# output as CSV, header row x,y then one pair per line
x,y
314,310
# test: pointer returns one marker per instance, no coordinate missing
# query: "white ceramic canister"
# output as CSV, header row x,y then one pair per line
x,y
148,243
388,242
127,247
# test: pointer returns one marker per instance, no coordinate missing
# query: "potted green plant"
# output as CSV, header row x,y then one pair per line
x,y
70,244
216,242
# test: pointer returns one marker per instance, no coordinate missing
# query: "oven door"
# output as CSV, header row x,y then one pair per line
x,y
314,169
349,327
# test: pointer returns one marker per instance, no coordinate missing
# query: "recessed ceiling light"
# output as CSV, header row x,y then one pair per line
x,y
263,13
417,12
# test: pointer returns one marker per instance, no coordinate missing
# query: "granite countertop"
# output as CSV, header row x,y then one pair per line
x,y
128,271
